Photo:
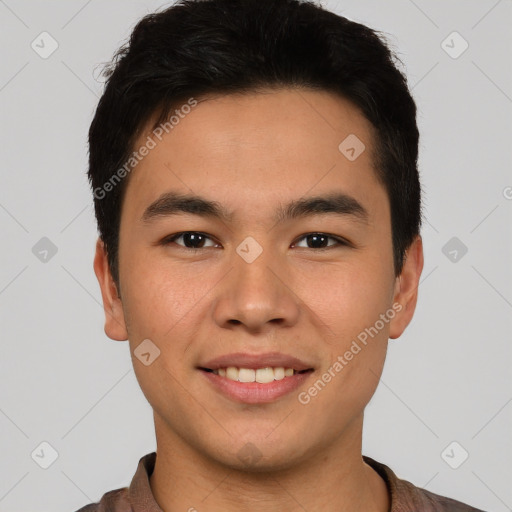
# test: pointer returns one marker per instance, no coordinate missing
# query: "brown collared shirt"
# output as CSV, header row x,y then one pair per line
x,y
404,496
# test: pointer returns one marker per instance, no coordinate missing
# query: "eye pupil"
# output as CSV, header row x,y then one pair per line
x,y
193,239
317,240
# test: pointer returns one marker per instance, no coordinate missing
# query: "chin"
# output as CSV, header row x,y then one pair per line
x,y
260,455
254,461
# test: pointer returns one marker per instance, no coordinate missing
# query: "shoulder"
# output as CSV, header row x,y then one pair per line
x,y
443,504
137,496
405,496
112,501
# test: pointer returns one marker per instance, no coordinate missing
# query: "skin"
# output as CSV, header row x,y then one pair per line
x,y
252,153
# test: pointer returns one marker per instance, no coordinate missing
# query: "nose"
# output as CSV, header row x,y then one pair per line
x,y
257,296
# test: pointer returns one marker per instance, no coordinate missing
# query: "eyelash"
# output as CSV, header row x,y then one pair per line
x,y
340,242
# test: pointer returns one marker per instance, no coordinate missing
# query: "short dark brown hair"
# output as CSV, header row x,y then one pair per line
x,y
198,47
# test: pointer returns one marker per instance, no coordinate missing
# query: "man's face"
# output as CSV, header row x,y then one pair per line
x,y
256,284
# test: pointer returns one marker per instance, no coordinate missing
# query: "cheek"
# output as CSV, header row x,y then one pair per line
x,y
349,298
352,371
161,306
157,296
350,302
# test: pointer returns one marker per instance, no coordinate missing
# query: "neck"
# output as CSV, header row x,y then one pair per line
x,y
334,480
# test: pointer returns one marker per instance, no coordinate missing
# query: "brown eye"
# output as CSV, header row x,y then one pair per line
x,y
190,240
320,241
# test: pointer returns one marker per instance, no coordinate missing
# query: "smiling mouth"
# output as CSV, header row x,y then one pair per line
x,y
264,375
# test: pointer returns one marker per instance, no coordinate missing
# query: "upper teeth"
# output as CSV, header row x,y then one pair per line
x,y
261,375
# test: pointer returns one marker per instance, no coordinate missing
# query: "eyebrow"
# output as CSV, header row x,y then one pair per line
x,y
173,203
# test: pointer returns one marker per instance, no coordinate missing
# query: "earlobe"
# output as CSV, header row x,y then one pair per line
x,y
115,326
406,288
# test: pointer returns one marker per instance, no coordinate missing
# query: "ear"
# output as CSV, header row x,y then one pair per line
x,y
406,289
115,326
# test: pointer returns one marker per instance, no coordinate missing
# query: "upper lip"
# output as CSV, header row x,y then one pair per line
x,y
254,361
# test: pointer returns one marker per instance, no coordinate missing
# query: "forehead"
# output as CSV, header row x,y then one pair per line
x,y
251,150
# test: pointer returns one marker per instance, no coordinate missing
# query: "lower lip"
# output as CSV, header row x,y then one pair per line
x,y
255,392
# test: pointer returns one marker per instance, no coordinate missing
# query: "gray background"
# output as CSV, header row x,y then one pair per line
x,y
64,382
